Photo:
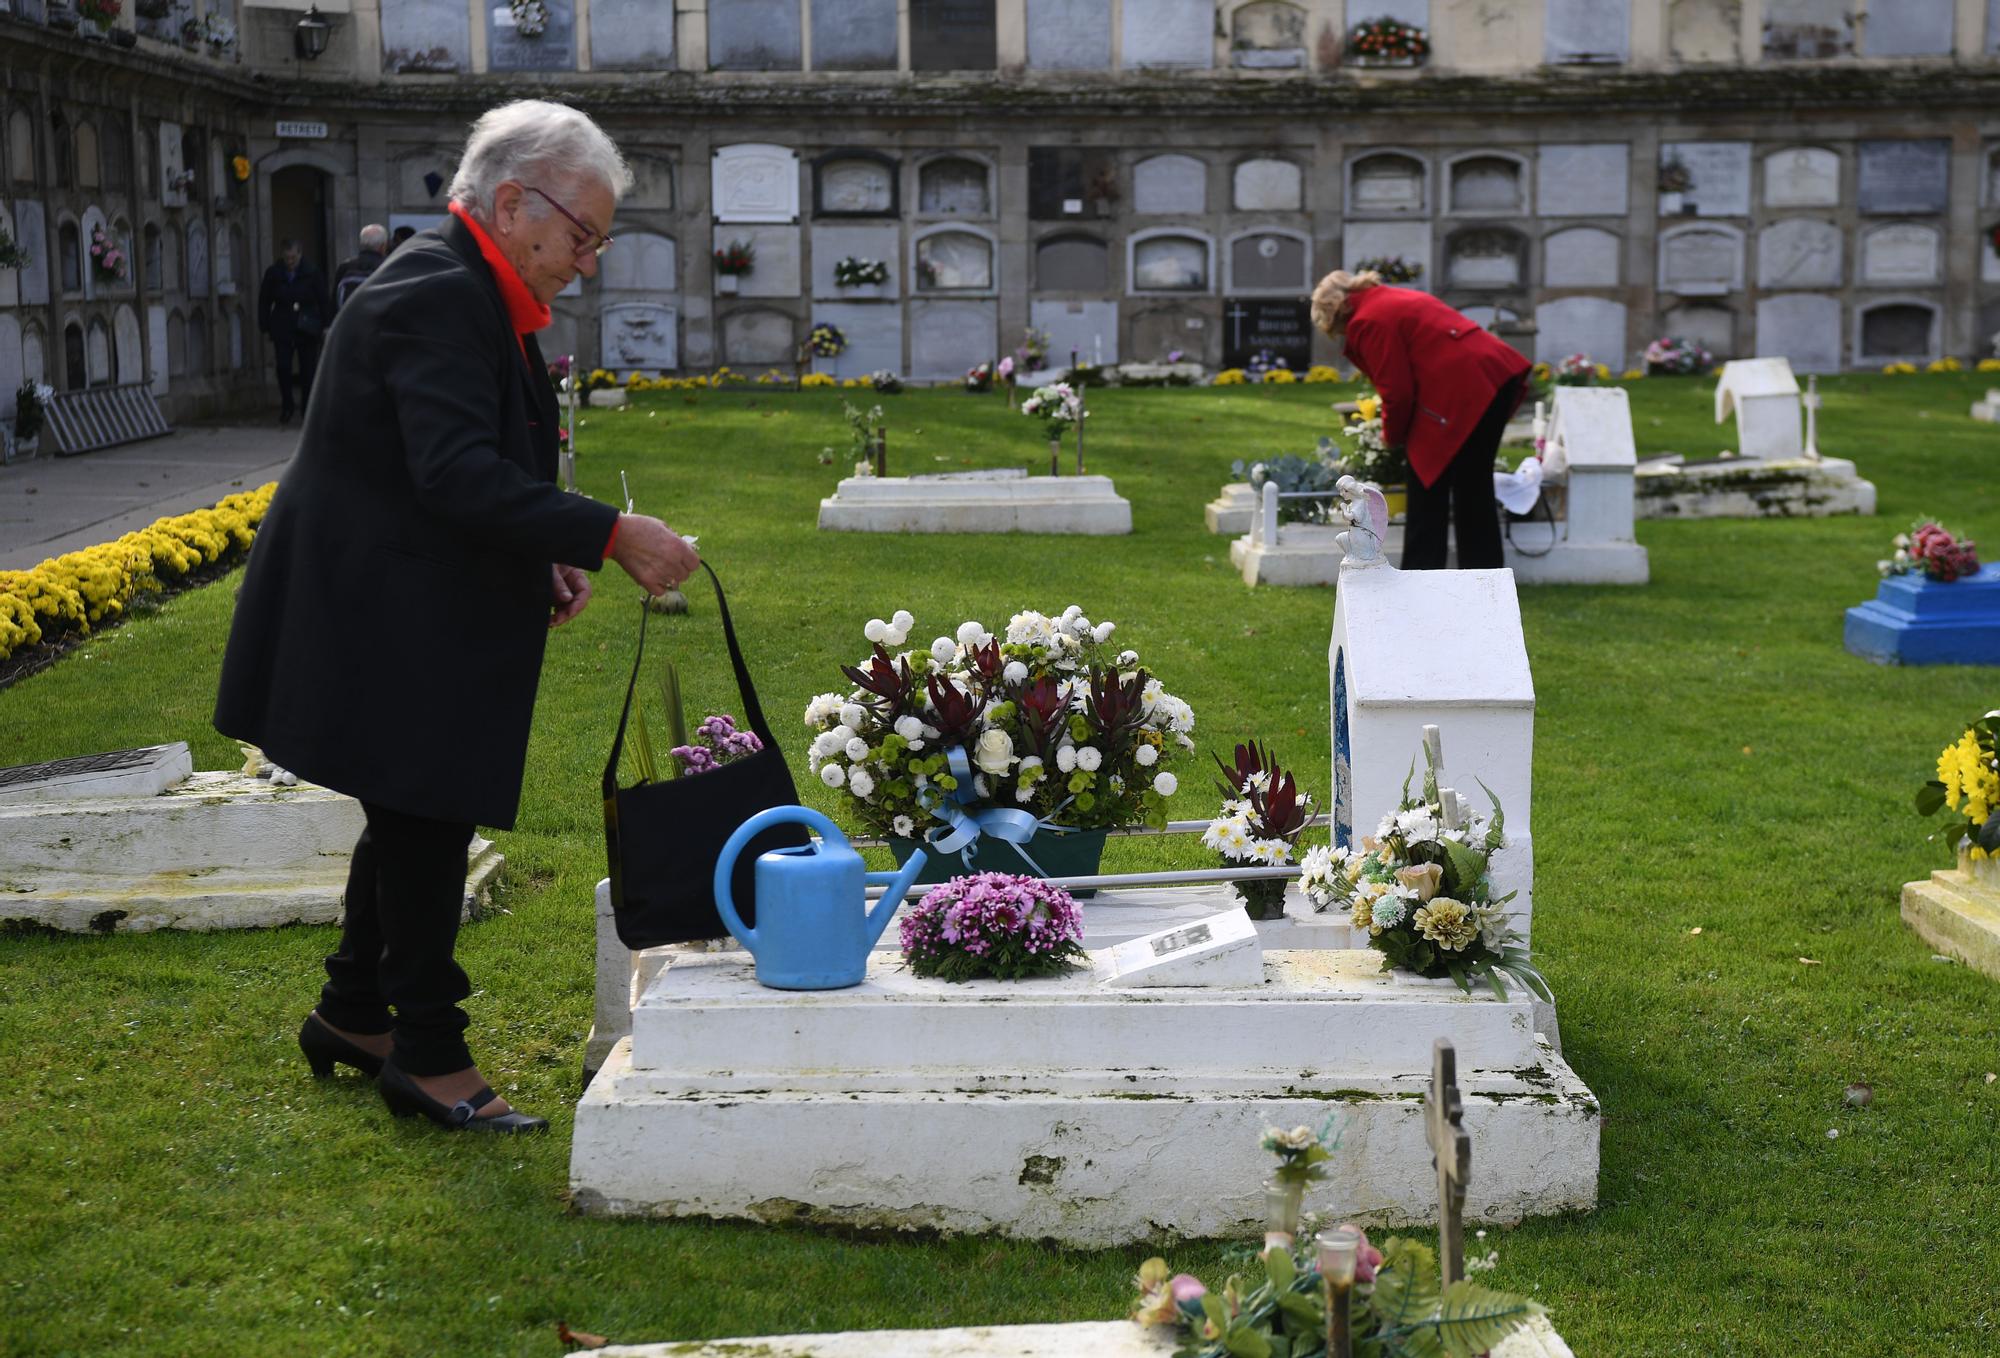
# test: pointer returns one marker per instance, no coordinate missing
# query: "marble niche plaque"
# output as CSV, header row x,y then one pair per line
x,y
1592,326
426,37
1713,179
953,35
755,182
1066,35
1910,28
953,261
197,259
1487,185
11,369
1581,257
1269,261
156,347
1903,176
1169,184
1485,257
1386,184
754,35
1072,262
1712,327
1804,176
10,282
1482,35
1590,180
854,186
1269,185
1701,260
1252,325
628,34
1908,252
509,48
949,337
874,338
1383,240
1170,264
1587,32
643,261
1803,328
853,35
1268,35
1799,252
831,244
641,335
97,353
953,186
775,269
173,192
1808,30
1160,332
759,337
1700,32
32,235
1090,328
1169,33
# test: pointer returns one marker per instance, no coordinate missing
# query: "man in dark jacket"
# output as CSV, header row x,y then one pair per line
x,y
291,309
354,271
388,636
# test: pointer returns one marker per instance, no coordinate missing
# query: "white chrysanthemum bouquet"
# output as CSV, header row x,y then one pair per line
x,y
1046,719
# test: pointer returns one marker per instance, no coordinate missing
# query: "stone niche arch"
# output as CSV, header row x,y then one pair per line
x,y
1897,330
643,261
155,257
855,182
115,152
652,183
99,363
1072,262
197,342
128,351
1482,257
69,255
1169,260
1700,259
198,276
87,231
21,146
1268,184
955,184
34,352
954,259
10,281
1902,254
1581,257
89,166
1268,35
1169,185
1388,182
759,336
1268,259
1486,183
76,373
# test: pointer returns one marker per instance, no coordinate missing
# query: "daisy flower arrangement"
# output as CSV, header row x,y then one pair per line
x,y
1420,888
1045,717
1263,814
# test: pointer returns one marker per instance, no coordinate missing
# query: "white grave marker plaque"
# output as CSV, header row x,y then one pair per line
x,y
1222,950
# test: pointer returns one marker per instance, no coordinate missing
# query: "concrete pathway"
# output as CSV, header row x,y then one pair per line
x,y
52,505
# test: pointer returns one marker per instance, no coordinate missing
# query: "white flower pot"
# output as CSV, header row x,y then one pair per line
x,y
1985,871
728,283
609,399
861,292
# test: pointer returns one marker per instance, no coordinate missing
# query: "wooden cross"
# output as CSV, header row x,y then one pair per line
x,y
1451,1152
1451,808
1434,750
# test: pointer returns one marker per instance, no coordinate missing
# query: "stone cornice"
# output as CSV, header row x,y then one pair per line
x,y
33,50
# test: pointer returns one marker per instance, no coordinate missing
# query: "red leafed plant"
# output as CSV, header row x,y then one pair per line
x,y
1277,809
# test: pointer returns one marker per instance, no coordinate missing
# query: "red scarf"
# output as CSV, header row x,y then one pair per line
x,y
523,309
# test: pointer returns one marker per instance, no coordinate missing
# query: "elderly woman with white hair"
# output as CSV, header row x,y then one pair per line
x,y
1448,388
388,637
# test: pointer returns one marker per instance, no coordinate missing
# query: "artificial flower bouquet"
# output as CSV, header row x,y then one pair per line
x,y
1045,719
736,258
1392,268
1263,814
1420,888
1387,39
1931,549
1033,351
854,272
1968,786
1672,356
1370,458
1396,1305
107,259
716,742
1576,370
992,924
979,379
1059,406
826,341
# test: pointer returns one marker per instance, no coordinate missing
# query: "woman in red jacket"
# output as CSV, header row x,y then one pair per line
x,y
1448,389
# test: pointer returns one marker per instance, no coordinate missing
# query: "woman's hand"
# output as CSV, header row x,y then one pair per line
x,y
653,554
571,593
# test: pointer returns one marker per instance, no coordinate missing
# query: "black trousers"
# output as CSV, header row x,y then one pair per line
x,y
1464,492
308,356
405,889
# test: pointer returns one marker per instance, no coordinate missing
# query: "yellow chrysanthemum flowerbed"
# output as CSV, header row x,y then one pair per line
x,y
1967,787
1231,377
1320,372
73,592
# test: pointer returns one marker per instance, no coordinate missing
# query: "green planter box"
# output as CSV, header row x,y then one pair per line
x,y
1075,854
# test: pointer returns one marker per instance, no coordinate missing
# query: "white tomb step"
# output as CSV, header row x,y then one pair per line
x,y
706,1014
1087,505
1083,1339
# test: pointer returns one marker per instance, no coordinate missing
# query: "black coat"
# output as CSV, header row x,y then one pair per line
x,y
360,268
388,636
281,301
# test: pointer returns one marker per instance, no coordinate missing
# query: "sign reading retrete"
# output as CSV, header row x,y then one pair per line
x,y
293,127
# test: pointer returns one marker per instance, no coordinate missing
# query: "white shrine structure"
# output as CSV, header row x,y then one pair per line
x,y
1099,1114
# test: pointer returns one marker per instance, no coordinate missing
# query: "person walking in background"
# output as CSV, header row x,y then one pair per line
x,y
388,636
1448,388
400,237
354,271
291,309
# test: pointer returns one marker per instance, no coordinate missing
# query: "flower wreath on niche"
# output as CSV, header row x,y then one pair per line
x,y
531,17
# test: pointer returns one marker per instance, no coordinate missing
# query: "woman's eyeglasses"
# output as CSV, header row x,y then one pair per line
x,y
594,242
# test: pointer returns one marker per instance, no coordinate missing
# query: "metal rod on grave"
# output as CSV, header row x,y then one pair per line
x,y
1082,413
569,414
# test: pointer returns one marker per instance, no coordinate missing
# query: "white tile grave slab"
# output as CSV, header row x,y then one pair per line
x,y
639,336
948,338
1069,35
874,338
1269,185
1170,184
1088,505
1718,174
1799,252
1802,327
1905,253
1090,328
1804,176
32,235
1588,180
775,271
831,244
1581,257
1581,325
1169,33
754,182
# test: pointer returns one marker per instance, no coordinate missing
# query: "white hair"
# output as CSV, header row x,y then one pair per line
x,y
535,141
375,236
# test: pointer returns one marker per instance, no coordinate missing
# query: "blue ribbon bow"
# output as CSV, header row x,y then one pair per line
x,y
963,828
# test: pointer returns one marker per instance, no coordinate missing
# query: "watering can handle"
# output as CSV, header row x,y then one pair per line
x,y
725,903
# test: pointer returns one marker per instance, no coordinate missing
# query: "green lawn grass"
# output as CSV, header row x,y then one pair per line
x,y
1707,757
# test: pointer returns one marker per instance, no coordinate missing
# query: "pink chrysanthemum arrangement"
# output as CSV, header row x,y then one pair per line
x,y
992,924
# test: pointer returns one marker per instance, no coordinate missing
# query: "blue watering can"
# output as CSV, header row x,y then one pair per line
x,y
814,929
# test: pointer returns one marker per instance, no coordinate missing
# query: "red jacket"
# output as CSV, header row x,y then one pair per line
x,y
1436,370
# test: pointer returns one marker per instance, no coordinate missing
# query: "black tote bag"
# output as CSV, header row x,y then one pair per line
x,y
663,838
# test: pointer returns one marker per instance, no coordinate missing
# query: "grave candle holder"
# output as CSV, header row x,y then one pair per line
x,y
1283,1201
1339,1253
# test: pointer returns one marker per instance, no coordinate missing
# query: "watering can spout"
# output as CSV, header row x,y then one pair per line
x,y
895,886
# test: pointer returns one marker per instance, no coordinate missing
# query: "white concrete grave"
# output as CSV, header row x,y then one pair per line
x,y
148,845
1988,410
1233,511
1591,456
1776,472
1060,1107
977,503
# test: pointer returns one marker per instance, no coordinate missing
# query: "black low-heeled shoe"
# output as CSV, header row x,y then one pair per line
x,y
405,1100
323,1047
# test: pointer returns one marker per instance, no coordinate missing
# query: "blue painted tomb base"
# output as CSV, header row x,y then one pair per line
x,y
1914,620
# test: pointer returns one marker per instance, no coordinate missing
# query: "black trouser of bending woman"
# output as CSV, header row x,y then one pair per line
x,y
1463,492
394,970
